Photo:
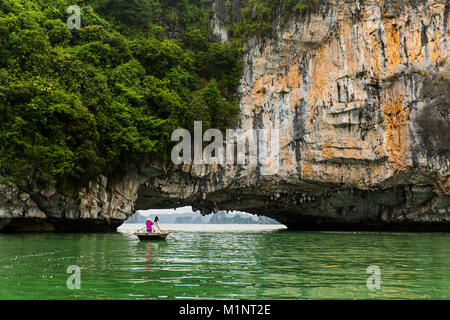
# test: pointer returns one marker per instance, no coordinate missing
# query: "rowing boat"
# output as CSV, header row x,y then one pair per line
x,y
152,235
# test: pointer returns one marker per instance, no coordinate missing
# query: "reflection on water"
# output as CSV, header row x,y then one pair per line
x,y
226,264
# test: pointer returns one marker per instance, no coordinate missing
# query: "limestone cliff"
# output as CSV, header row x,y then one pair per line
x,y
352,87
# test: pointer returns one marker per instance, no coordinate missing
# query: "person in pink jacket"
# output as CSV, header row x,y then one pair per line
x,y
149,223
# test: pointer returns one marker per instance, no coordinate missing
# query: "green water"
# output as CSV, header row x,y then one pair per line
x,y
226,265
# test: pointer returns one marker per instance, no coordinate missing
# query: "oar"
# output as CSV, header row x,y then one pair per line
x,y
132,234
129,235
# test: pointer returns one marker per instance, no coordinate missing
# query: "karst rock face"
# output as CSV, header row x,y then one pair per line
x,y
348,86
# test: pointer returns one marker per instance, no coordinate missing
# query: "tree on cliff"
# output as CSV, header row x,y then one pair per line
x,y
78,103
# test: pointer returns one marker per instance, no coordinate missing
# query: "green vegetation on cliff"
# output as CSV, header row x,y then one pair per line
x,y
256,17
78,103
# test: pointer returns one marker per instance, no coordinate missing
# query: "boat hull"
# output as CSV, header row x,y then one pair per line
x,y
152,235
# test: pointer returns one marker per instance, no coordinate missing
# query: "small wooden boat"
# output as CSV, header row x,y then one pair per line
x,y
152,235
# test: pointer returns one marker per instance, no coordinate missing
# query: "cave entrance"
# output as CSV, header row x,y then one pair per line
x,y
187,216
